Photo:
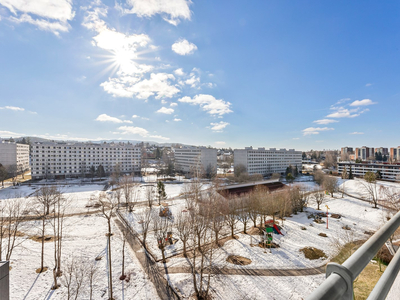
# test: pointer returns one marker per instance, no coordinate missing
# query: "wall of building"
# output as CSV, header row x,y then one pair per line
x,y
189,158
53,160
387,171
267,161
12,153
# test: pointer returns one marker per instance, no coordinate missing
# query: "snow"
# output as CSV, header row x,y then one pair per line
x,y
84,239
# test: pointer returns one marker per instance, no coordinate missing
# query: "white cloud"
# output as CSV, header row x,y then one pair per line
x,y
128,86
164,110
355,132
107,118
325,121
315,130
5,133
183,47
193,81
126,130
177,120
220,143
364,102
173,104
209,104
133,130
343,100
60,11
295,138
179,72
368,84
218,127
163,102
135,116
171,10
159,137
344,113
15,108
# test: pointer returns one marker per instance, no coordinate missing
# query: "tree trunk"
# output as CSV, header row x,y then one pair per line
x,y
244,223
123,258
109,265
42,254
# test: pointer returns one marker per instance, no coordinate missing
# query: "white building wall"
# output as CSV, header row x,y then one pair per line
x,y
51,160
388,171
12,153
189,158
267,161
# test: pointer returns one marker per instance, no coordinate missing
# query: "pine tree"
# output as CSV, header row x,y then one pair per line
x,y
351,173
162,195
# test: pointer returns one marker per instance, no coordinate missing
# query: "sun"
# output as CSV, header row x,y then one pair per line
x,y
123,57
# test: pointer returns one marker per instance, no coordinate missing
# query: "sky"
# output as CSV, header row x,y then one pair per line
x,y
276,74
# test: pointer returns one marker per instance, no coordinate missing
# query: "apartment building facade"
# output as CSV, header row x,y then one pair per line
x,y
63,160
388,171
188,159
12,153
267,161
364,153
395,154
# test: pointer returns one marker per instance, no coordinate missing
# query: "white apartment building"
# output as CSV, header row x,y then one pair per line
x,y
187,159
267,161
12,153
388,171
61,160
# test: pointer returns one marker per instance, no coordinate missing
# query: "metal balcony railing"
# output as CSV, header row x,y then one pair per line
x,y
339,278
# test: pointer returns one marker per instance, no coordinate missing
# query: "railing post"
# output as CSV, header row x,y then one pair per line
x,y
345,274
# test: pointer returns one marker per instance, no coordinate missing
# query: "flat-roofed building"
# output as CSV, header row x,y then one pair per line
x,y
387,171
364,153
267,161
62,160
189,159
395,154
14,154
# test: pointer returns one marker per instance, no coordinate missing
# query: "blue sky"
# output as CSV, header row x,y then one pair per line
x,y
294,74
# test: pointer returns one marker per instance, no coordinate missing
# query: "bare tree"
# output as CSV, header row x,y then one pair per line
x,y
161,227
118,194
391,196
45,197
150,192
74,277
254,207
244,211
369,187
319,197
59,208
201,274
232,214
11,221
92,275
144,219
184,229
108,205
330,184
128,188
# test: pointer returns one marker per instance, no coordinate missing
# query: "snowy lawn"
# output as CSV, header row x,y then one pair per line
x,y
84,239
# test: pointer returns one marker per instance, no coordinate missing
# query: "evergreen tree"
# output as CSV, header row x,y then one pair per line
x,y
351,173
100,171
161,194
384,158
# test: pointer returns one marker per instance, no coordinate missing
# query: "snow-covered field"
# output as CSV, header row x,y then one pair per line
x,y
358,215
85,239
